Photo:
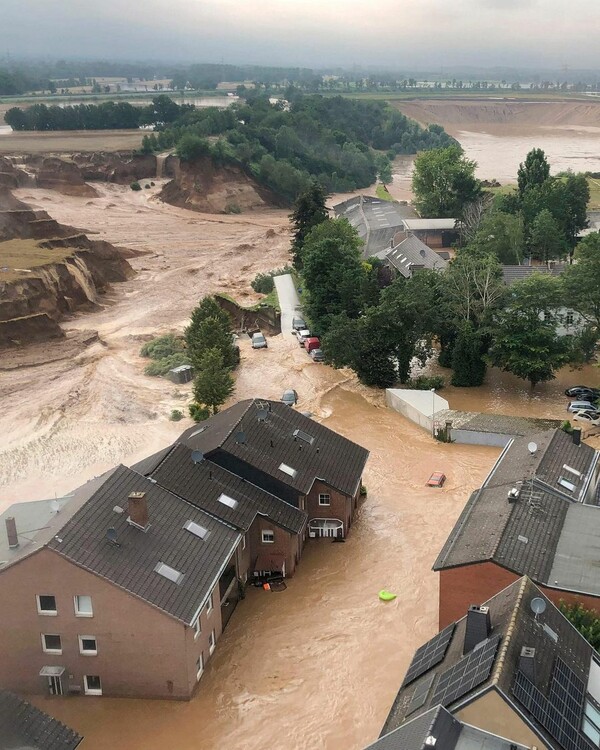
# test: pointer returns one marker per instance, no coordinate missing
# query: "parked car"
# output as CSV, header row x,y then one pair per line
x,y
590,416
259,341
437,479
302,335
298,324
312,343
582,392
317,355
576,406
290,397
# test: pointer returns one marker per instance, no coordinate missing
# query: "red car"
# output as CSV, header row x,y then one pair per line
x,y
312,343
437,479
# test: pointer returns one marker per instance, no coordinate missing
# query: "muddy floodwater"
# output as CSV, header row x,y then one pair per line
x,y
315,667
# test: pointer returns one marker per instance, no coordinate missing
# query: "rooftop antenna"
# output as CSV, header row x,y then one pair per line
x,y
197,457
111,536
532,447
538,606
54,506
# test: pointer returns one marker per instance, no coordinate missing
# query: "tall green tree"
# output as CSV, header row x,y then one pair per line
x,y
309,211
213,383
502,235
525,341
468,365
546,242
581,281
333,273
535,170
444,182
210,327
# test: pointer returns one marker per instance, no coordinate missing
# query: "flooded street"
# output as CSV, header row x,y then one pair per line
x,y
315,667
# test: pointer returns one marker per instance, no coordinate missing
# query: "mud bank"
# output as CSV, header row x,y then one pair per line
x,y
42,280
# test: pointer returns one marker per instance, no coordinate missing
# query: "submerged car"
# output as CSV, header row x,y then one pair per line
x,y
437,479
317,355
259,341
576,406
590,416
583,392
290,397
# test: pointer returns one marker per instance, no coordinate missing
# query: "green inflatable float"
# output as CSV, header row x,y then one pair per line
x,y
386,596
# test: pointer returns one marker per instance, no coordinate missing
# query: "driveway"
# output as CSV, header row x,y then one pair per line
x,y
289,302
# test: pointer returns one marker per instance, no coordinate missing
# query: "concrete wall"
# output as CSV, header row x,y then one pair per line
x,y
493,714
142,652
418,406
475,437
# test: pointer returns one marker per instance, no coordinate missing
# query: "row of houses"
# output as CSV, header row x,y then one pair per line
x,y
124,587
507,670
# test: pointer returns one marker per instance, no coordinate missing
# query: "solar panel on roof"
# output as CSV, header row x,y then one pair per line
x,y
430,654
420,695
470,671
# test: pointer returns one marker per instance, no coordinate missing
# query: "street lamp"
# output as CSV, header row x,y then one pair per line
x,y
432,412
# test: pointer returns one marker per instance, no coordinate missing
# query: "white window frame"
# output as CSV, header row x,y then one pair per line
x,y
47,650
269,532
46,612
199,669
78,612
197,627
327,502
91,691
212,641
209,604
84,652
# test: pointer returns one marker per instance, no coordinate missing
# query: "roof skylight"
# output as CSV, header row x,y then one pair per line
x,y
166,571
288,470
304,436
229,501
196,529
566,484
571,470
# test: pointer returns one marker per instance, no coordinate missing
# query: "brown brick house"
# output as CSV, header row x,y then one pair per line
x,y
513,667
288,455
120,593
536,514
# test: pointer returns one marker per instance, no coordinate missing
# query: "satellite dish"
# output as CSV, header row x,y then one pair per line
x,y
111,535
538,605
240,437
55,506
532,448
197,457
262,415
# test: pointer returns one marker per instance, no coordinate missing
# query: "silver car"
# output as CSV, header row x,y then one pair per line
x,y
259,341
576,406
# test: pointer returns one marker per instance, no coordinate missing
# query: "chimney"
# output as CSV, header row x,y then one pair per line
x,y
478,627
576,437
527,663
138,509
11,533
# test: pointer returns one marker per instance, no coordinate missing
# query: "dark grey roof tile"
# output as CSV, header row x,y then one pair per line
x,y
25,726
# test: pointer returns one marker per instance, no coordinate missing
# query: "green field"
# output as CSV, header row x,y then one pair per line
x,y
21,258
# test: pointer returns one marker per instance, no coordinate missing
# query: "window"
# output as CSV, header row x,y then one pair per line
x,y
570,318
51,644
324,499
168,572
83,606
92,684
196,529
88,645
209,604
212,641
268,536
197,627
591,722
46,604
288,470
199,667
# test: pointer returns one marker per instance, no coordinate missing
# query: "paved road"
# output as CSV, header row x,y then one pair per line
x,y
289,302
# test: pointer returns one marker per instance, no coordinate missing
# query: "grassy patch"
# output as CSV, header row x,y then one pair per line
x,y
382,193
272,300
23,258
501,190
594,204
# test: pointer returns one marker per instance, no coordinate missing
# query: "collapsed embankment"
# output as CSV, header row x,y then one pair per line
x,y
48,270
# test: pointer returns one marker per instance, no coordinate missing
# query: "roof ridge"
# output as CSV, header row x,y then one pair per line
x,y
499,666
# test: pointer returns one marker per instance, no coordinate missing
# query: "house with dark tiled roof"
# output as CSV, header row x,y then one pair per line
x,y
25,727
122,590
536,514
288,455
410,255
513,668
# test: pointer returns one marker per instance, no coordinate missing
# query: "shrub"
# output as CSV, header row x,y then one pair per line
x,y
160,367
263,282
135,186
147,186
566,426
198,413
233,208
163,346
153,184
176,415
424,383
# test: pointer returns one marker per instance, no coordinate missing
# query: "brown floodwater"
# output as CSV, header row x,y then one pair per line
x,y
315,667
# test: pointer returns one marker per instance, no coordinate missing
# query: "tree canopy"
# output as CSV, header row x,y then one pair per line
x,y
309,210
444,182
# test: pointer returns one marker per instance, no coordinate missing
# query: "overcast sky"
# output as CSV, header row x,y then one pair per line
x,y
402,34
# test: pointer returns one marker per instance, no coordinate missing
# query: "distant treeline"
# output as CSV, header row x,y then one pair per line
x,y
104,116
330,139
